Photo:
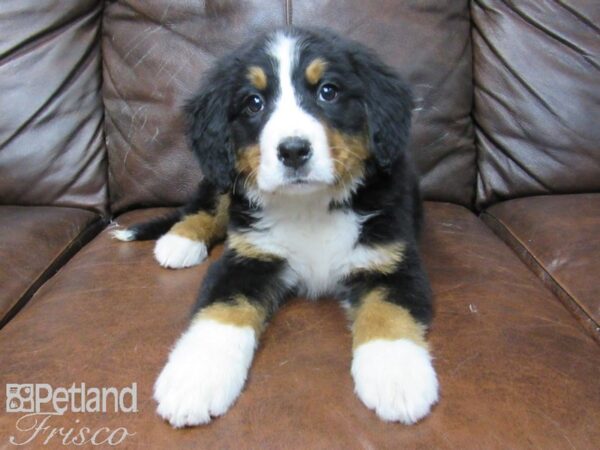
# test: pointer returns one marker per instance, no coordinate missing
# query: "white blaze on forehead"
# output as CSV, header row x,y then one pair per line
x,y
288,119
285,51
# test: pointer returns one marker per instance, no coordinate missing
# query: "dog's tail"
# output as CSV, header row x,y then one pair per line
x,y
152,229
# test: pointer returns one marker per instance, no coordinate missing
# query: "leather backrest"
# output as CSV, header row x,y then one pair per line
x,y
155,53
537,97
51,139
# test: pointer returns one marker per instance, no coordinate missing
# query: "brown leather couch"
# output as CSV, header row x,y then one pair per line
x,y
506,136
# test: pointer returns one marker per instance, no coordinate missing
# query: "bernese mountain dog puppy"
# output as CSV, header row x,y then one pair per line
x,y
302,139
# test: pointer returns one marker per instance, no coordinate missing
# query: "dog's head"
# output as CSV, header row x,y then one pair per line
x,y
298,111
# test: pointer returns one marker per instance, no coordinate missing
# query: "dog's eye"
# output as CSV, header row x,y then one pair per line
x,y
328,92
253,104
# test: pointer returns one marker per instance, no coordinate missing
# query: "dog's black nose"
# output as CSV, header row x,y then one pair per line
x,y
294,152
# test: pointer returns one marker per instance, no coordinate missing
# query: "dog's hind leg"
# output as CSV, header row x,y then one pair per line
x,y
185,235
188,241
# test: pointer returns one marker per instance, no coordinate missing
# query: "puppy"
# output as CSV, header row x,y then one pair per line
x,y
301,136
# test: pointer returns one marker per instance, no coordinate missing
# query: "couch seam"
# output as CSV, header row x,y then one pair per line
x,y
288,13
473,200
513,239
69,250
108,205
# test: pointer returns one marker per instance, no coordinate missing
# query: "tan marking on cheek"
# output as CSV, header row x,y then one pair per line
x,y
248,161
239,313
376,318
243,247
315,70
222,216
349,154
388,258
257,77
204,226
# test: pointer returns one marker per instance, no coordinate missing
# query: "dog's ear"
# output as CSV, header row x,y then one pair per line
x,y
208,128
388,104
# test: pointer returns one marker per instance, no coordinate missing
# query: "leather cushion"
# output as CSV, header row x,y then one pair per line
x,y
51,142
515,368
537,97
558,236
34,242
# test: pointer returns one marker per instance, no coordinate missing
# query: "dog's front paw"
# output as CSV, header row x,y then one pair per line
x,y
396,379
177,252
205,373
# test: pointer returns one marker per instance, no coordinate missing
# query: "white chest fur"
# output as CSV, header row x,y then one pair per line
x,y
319,245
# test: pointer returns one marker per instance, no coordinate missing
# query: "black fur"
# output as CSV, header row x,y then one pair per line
x,y
259,281
388,104
208,129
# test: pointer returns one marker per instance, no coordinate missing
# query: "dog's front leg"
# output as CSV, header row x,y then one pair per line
x,y
208,366
391,366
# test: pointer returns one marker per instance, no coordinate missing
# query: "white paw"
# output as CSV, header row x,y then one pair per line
x,y
124,235
396,379
205,373
177,252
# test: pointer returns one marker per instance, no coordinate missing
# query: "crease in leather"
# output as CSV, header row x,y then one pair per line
x,y
579,17
82,63
512,71
87,159
63,115
45,36
548,32
528,87
510,160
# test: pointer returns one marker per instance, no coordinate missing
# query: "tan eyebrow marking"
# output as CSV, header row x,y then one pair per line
x,y
315,70
257,77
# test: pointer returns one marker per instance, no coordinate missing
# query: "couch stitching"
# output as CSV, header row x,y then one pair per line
x,y
288,12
